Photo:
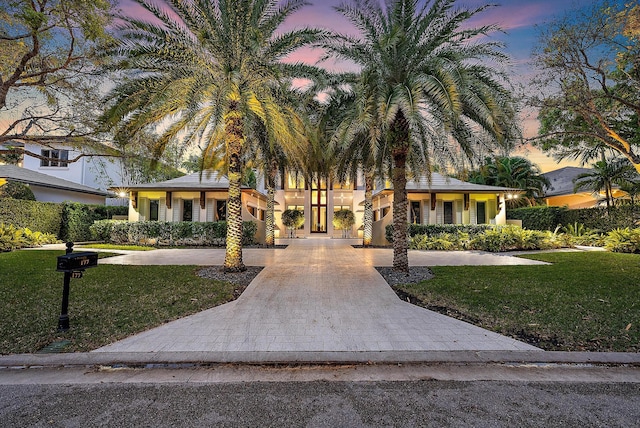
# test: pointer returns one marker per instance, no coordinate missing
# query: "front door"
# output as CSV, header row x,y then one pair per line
x,y
319,206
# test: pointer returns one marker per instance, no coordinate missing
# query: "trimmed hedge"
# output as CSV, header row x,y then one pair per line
x,y
69,221
45,217
157,233
433,230
548,218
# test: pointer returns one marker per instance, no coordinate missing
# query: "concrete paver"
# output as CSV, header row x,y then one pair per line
x,y
317,295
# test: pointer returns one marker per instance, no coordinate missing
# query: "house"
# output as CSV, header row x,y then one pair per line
x,y
47,188
68,163
441,200
560,193
194,197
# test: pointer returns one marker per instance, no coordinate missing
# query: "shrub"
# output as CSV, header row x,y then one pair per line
x,y
45,217
168,233
434,230
13,238
623,240
511,238
598,218
77,219
15,190
443,241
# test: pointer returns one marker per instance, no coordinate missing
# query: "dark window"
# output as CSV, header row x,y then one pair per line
x,y
55,158
415,212
187,210
154,204
448,213
385,211
482,212
221,210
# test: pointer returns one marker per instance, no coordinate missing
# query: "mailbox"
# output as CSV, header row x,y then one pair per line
x,y
77,261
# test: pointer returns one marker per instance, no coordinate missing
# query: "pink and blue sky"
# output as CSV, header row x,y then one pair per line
x,y
520,20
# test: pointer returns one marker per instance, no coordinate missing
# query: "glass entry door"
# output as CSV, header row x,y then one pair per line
x,y
319,206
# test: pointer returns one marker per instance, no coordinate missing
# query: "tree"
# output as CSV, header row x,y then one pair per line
x,y
603,176
515,172
589,60
292,220
48,70
428,88
344,220
208,71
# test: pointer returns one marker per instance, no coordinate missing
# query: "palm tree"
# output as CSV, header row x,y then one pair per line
x,y
515,172
206,72
602,177
428,87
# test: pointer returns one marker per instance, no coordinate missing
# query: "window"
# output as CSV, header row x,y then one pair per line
x,y
415,212
295,181
261,214
385,211
341,207
481,208
342,186
221,210
187,210
448,213
154,205
55,158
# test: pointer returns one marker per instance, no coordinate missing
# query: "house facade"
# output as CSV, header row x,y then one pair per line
x,y
194,197
440,200
560,192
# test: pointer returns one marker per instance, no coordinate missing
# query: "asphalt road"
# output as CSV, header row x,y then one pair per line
x,y
426,403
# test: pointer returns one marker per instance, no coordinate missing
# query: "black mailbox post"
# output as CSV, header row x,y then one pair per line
x,y
72,264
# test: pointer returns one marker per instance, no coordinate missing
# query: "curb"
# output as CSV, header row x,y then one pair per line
x,y
149,360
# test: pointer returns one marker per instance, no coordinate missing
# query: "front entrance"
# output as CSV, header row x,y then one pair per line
x,y
319,206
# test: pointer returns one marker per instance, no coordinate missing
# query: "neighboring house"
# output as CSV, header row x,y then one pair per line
x,y
47,188
97,172
194,198
560,191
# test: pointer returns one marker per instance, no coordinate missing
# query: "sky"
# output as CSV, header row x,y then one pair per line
x,y
520,20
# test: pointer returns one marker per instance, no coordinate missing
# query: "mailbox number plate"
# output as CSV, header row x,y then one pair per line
x,y
76,261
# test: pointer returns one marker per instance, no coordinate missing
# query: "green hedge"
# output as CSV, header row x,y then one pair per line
x,y
45,217
433,230
548,218
158,233
69,221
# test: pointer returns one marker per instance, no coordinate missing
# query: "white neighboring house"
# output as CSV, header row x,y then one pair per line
x,y
96,172
47,188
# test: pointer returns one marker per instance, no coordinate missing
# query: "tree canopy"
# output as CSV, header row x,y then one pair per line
x,y
590,78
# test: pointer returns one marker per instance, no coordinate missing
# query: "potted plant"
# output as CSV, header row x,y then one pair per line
x,y
344,220
292,220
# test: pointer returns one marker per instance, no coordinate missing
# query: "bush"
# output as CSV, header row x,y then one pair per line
x,y
443,241
512,238
623,240
45,217
597,219
16,190
13,238
77,219
434,230
159,233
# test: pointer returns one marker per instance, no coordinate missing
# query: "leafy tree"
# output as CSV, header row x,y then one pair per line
x,y
292,220
603,176
515,172
589,60
344,220
429,88
208,71
48,57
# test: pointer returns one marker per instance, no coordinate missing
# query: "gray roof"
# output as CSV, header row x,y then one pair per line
x,y
210,180
34,178
441,184
561,180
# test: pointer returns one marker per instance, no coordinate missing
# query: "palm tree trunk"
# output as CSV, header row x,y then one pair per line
x,y
270,214
367,235
235,139
400,140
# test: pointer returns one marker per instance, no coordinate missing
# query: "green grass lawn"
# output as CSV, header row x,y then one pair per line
x,y
109,303
585,301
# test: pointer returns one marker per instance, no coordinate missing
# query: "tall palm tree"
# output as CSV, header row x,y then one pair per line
x,y
206,71
603,176
429,87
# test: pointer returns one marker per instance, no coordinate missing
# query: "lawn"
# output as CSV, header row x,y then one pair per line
x,y
584,301
109,303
